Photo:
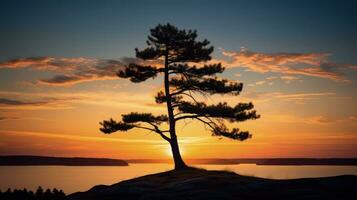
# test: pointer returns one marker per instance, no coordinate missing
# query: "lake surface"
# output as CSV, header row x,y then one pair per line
x,y
78,178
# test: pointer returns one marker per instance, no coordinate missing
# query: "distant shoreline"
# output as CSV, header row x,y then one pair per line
x,y
21,160
62,161
260,161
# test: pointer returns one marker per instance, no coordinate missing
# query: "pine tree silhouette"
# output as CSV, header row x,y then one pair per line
x,y
183,82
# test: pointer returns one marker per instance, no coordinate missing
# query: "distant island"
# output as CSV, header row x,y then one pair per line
x,y
259,161
75,161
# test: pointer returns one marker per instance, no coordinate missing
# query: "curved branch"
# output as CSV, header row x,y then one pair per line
x,y
111,126
164,136
157,130
198,118
143,127
207,123
191,96
178,92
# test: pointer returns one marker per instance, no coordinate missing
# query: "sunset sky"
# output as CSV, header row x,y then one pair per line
x,y
297,61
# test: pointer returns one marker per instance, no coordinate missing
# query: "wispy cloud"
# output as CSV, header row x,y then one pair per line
x,y
46,103
303,96
295,97
270,80
73,70
66,100
47,63
78,137
288,79
308,64
8,118
312,120
263,82
4,101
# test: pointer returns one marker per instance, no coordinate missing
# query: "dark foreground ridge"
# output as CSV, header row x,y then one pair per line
x,y
42,160
197,184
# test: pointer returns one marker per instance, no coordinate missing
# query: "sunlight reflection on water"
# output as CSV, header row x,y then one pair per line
x,y
73,178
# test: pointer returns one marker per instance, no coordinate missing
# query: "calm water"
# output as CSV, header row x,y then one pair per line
x,y
73,179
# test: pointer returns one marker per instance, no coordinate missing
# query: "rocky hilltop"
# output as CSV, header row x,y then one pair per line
x,y
198,184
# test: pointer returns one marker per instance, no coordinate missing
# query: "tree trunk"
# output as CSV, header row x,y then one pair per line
x,y
179,163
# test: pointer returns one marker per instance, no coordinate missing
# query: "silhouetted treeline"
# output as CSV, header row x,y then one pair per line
x,y
39,194
45,160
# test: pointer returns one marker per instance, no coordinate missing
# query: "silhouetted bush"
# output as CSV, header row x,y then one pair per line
x,y
25,194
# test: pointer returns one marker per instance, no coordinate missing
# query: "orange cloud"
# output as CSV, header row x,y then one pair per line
x,y
267,96
308,64
303,96
48,63
43,104
74,70
313,120
68,100
287,79
77,137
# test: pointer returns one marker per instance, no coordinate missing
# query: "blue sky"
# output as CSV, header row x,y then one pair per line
x,y
111,29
